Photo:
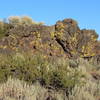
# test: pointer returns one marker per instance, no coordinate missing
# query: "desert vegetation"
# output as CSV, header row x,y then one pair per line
x,y
40,62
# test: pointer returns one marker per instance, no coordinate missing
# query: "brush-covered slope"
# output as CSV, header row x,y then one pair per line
x,y
59,62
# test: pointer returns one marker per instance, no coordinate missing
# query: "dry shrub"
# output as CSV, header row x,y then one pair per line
x,y
90,91
15,89
19,90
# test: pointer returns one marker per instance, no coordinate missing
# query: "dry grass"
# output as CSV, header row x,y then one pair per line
x,y
15,89
90,91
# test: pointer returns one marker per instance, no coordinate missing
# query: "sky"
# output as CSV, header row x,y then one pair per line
x,y
85,12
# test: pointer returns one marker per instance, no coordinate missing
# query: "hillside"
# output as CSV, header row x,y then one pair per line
x,y
61,60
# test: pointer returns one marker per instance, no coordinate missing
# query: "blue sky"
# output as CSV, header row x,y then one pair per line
x,y
86,12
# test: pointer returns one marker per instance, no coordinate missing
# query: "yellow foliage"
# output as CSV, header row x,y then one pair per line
x,y
3,47
52,35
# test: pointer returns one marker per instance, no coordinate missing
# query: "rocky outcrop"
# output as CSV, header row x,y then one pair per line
x,y
65,38
74,41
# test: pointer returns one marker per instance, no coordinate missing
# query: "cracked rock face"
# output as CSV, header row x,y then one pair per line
x,y
74,41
